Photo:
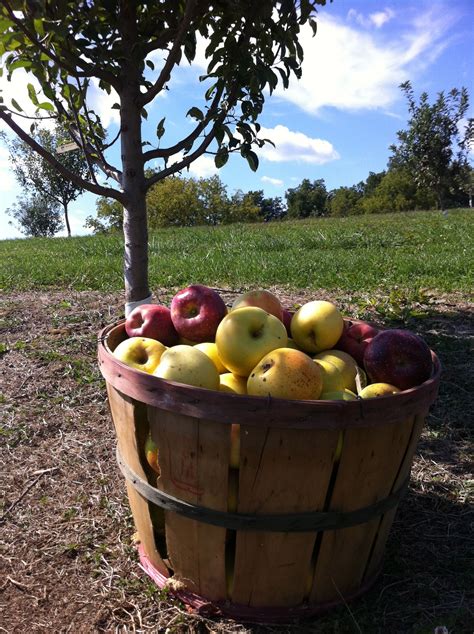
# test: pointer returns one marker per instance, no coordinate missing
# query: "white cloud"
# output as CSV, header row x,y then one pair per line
x,y
295,146
7,180
101,102
349,68
203,167
273,181
377,19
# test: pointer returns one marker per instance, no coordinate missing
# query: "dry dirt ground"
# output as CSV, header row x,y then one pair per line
x,y
67,560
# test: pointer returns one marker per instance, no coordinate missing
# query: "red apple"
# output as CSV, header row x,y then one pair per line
x,y
398,357
261,299
355,338
196,311
286,319
152,321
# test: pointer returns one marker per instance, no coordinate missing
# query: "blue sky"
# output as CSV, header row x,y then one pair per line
x,y
338,121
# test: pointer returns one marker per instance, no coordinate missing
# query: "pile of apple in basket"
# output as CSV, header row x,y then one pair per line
x,y
258,347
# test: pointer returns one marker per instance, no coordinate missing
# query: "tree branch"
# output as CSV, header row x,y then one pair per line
x,y
172,56
170,151
73,59
177,167
80,182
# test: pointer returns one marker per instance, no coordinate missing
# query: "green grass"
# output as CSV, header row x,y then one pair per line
x,y
412,250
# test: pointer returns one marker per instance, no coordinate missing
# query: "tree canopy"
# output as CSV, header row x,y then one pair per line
x,y
37,215
71,46
435,145
38,176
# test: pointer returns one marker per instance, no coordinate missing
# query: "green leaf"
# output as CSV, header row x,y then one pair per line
x,y
32,94
144,113
16,105
195,113
221,157
45,105
160,128
252,160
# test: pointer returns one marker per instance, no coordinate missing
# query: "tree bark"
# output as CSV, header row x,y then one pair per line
x,y
66,220
135,227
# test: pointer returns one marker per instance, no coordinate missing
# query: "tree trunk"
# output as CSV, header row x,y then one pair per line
x,y
135,228
66,219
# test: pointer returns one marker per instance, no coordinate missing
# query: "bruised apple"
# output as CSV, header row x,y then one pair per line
x,y
286,373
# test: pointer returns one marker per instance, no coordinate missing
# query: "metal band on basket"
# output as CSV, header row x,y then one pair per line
x,y
280,523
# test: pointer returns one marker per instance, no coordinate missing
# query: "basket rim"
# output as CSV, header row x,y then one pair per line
x,y
260,411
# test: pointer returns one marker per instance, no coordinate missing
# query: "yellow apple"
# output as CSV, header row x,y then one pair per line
x,y
338,395
317,326
333,379
211,350
378,389
185,364
141,353
232,383
247,334
292,344
286,373
344,363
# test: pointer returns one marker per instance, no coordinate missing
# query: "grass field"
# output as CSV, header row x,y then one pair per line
x,y
68,560
412,251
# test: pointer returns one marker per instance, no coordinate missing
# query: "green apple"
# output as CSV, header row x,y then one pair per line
x,y
234,460
344,363
378,389
185,364
140,353
317,326
246,335
333,379
151,453
210,349
286,373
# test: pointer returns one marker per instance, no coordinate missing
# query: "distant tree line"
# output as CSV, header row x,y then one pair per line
x,y
428,168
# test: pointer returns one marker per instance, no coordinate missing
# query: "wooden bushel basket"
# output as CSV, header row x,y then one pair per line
x,y
309,531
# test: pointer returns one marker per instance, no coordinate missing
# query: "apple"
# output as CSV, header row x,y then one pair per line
x,y
245,335
317,326
185,364
140,353
333,378
152,321
287,317
286,373
232,383
398,357
233,491
338,395
210,349
151,454
375,390
262,299
196,311
355,337
344,363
